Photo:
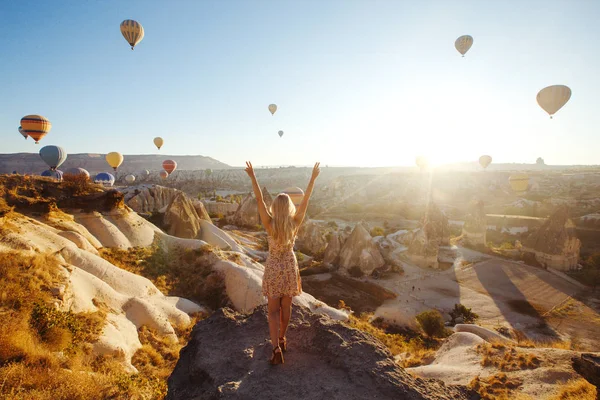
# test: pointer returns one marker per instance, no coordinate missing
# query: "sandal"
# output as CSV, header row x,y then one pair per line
x,y
283,343
277,357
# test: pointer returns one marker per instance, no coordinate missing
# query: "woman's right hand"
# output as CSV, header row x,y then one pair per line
x,y
249,170
315,171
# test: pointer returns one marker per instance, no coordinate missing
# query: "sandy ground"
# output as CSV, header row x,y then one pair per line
x,y
502,292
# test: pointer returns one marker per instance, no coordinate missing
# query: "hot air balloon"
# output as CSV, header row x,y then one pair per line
x,y
519,182
272,108
22,132
552,98
296,194
463,44
484,161
158,142
164,174
132,31
169,166
145,173
280,133
54,173
130,178
114,159
54,156
36,126
76,172
104,178
421,162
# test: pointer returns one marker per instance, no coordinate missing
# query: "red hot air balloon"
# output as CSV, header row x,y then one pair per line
x,y
169,166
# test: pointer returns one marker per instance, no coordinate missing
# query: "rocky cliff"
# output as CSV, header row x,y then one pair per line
x,y
227,357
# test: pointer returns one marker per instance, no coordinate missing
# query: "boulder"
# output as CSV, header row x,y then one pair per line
x,y
332,251
214,236
555,243
311,238
475,227
181,219
360,251
326,359
247,212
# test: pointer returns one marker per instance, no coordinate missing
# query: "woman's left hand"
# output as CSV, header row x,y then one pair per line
x,y
249,170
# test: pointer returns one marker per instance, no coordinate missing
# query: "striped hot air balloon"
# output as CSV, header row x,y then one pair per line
x,y
35,126
296,194
169,166
23,133
76,172
132,31
104,178
53,173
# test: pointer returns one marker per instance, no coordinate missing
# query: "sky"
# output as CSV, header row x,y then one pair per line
x,y
365,83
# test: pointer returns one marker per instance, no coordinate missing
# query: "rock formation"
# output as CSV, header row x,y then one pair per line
x,y
555,244
475,227
311,238
360,251
247,212
227,357
423,251
434,232
588,366
219,207
179,214
332,251
180,218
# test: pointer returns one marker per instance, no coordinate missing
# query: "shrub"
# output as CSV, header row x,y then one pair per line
x,y
576,389
432,323
377,231
332,224
77,184
467,315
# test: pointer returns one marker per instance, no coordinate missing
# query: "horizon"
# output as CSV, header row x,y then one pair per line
x,y
357,84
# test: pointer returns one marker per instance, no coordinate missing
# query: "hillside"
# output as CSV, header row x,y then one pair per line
x,y
30,163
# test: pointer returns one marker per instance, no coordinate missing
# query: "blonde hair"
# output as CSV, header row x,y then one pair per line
x,y
282,213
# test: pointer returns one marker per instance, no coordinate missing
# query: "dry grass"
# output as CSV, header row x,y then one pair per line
x,y
498,387
184,273
523,341
46,353
506,358
416,350
576,389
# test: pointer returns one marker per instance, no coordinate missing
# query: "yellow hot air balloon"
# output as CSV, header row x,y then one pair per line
x,y
484,161
519,182
552,98
463,44
272,108
114,159
35,126
132,31
158,142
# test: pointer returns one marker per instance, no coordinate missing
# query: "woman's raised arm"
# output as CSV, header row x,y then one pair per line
x,y
301,211
265,217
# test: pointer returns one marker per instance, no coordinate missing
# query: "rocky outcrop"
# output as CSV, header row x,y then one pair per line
x,y
247,212
311,238
360,251
423,251
181,219
435,232
555,244
475,227
227,357
173,210
332,251
588,366
219,207
392,251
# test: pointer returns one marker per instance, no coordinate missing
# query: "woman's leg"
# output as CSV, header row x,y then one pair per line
x,y
286,312
273,306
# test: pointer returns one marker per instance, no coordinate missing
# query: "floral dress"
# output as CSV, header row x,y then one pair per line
x,y
282,277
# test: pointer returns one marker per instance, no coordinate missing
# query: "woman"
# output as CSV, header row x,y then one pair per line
x,y
281,280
